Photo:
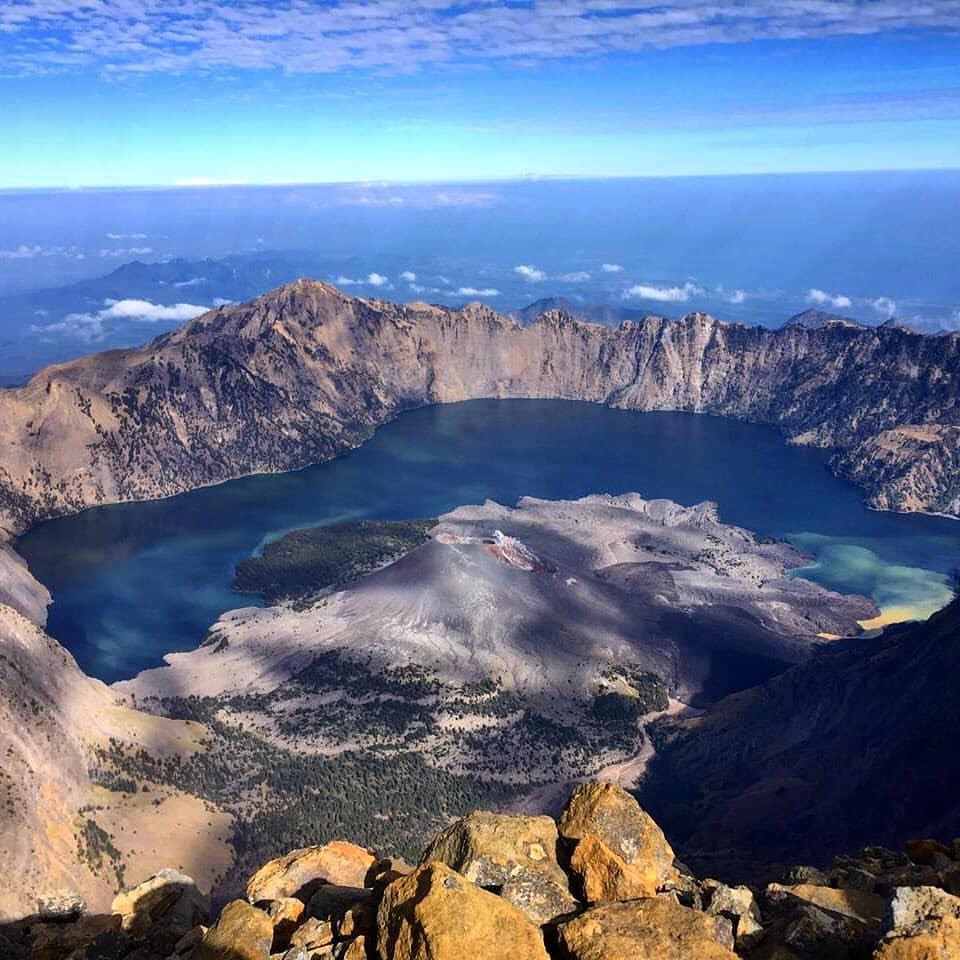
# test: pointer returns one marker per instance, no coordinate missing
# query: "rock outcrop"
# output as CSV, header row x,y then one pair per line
x,y
460,910
306,372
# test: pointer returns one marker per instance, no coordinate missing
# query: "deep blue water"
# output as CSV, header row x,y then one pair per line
x,y
744,248
134,581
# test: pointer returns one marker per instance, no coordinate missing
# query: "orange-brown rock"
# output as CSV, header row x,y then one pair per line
x,y
603,875
312,935
437,914
341,863
285,915
650,929
608,813
168,894
490,848
242,933
356,950
937,940
868,908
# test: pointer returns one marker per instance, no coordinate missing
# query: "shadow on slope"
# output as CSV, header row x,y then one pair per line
x,y
855,746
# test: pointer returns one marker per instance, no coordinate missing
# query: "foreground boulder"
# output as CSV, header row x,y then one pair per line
x,y
490,848
297,873
936,939
242,933
602,886
651,929
619,852
61,906
437,914
514,855
912,906
169,899
864,908
739,906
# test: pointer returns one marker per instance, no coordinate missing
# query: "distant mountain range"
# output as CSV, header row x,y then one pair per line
x,y
56,324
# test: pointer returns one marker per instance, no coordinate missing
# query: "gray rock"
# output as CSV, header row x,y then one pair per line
x,y
539,897
739,906
61,907
805,874
856,878
811,931
912,906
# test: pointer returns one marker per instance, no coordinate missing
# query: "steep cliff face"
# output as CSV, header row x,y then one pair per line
x,y
852,747
306,372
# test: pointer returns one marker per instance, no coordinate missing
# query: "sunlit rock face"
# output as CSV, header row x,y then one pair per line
x,y
305,372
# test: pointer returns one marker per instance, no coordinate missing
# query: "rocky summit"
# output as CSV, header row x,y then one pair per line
x,y
601,883
306,372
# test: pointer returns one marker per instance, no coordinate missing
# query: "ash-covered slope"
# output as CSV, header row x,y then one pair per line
x,y
852,747
544,597
306,372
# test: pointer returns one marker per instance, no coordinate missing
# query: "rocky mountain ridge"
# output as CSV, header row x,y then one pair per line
x,y
306,372
599,883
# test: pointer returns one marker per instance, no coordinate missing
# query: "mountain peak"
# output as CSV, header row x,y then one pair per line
x,y
814,319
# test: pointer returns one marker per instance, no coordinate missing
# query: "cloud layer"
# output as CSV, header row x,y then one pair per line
x,y
837,301
92,327
306,36
646,291
530,272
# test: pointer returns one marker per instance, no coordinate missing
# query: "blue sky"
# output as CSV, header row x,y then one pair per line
x,y
120,93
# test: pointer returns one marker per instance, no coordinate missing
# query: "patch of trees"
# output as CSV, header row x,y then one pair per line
x,y
303,563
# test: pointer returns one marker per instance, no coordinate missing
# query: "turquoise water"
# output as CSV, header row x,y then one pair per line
x,y
134,581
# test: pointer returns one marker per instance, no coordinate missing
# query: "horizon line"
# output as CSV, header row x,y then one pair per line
x,y
200,183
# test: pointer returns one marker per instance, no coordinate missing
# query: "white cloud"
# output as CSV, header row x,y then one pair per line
x,y
821,298
578,276
644,291
23,252
126,236
416,288
27,251
611,268
371,200
884,305
732,296
91,327
409,276
482,292
192,282
222,302
304,37
151,312
371,280
126,252
444,280
530,273
87,327
208,182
